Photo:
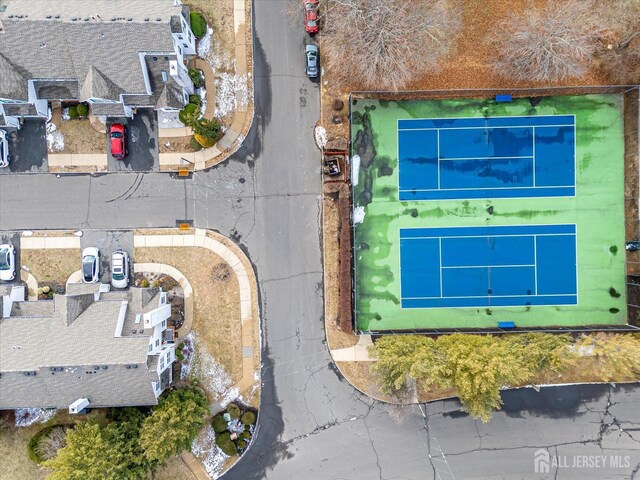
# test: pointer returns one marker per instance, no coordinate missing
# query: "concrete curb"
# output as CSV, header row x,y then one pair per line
x,y
75,277
184,283
38,243
357,353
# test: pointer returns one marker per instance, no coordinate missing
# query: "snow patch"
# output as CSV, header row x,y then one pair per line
x,y
65,114
28,416
212,376
204,447
355,169
203,96
231,93
358,215
169,119
204,44
320,135
187,353
55,138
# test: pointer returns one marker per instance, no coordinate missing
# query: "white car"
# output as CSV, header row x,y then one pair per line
x,y
90,265
4,149
120,269
7,262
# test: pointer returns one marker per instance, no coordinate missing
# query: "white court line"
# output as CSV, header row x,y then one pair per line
x,y
534,156
490,236
485,158
440,247
535,261
501,226
542,295
486,188
488,266
482,128
485,118
438,137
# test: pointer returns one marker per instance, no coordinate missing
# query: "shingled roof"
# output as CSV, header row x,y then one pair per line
x,y
54,357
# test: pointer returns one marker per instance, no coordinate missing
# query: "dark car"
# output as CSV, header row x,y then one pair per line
x,y
118,141
311,16
311,53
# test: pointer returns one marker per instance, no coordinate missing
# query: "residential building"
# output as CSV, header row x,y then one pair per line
x,y
87,348
116,55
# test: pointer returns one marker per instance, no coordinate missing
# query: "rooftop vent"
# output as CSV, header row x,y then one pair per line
x,y
164,76
104,367
86,19
158,19
73,19
127,366
48,16
134,366
57,16
146,19
113,19
129,19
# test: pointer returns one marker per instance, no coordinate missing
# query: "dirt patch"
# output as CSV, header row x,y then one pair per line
x,y
216,319
51,267
14,458
81,137
172,469
176,144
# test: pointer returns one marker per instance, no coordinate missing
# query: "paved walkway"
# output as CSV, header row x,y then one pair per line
x,y
358,353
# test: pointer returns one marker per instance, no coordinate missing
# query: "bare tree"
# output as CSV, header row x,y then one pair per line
x,y
621,56
384,44
553,43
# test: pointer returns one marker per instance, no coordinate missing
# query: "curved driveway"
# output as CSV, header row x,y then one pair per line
x,y
313,424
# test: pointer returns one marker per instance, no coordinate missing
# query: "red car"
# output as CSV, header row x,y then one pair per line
x,y
311,16
117,137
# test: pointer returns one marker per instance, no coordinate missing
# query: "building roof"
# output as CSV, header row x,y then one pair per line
x,y
74,351
56,89
19,109
102,56
108,109
94,11
166,93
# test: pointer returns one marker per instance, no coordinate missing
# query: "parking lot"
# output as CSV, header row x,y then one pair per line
x,y
141,143
27,147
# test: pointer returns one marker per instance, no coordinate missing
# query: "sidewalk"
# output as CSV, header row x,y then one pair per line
x,y
207,157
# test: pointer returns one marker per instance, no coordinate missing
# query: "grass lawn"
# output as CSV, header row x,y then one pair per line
x,y
51,267
597,210
216,297
81,137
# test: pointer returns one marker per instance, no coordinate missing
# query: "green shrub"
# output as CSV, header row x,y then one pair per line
x,y
242,444
46,289
226,445
207,128
233,410
219,424
246,435
179,355
73,112
194,144
180,346
205,142
614,293
198,24
196,77
195,99
144,283
248,418
82,109
189,114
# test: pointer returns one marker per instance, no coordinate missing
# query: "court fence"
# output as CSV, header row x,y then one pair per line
x,y
631,96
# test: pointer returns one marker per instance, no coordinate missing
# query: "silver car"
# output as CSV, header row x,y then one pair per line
x,y
7,262
311,53
120,269
4,149
91,265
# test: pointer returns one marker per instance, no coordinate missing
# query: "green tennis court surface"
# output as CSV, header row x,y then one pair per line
x,y
468,213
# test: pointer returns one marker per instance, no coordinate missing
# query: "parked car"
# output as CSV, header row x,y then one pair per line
x,y
7,262
118,140
311,53
90,265
633,246
311,16
120,269
4,149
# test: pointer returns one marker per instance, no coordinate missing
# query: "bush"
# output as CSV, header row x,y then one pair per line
x,y
46,289
246,435
204,141
198,24
194,144
45,443
144,283
73,112
207,128
226,445
248,418
179,355
196,77
242,444
82,109
614,293
195,99
219,424
189,114
233,410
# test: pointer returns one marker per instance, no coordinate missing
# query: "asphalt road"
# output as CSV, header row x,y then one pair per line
x,y
313,424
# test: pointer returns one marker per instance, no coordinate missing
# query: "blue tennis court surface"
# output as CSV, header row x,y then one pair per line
x,y
494,157
488,266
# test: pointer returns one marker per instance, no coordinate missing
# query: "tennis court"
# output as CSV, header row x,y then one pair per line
x,y
488,266
495,157
471,213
